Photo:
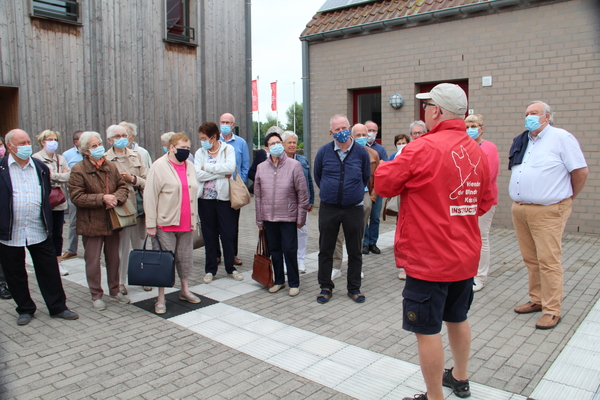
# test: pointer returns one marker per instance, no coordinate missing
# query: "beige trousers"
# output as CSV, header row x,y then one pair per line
x,y
539,231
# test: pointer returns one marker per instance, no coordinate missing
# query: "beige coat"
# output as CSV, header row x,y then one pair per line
x,y
162,196
58,179
132,164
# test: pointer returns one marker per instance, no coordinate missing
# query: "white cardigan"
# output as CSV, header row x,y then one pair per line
x,y
225,165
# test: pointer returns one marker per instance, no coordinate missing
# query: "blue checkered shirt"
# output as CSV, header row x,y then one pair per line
x,y
28,226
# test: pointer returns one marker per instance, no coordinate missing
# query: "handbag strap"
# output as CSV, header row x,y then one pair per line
x,y
261,247
157,241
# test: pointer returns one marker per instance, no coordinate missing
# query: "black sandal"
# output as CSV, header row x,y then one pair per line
x,y
324,296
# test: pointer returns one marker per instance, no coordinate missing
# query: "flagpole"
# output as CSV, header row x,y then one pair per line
x,y
294,85
258,115
276,108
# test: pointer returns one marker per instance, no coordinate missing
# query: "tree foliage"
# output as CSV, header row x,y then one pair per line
x,y
290,115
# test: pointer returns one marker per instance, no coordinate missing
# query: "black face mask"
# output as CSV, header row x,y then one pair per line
x,y
182,154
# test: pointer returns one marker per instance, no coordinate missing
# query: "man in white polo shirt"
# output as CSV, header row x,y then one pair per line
x,y
548,172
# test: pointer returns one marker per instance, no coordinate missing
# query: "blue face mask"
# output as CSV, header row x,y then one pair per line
x,y
276,150
473,132
362,141
206,144
24,152
342,136
532,122
165,149
98,152
225,129
121,143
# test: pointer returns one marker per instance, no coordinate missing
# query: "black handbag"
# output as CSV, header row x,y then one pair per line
x,y
154,268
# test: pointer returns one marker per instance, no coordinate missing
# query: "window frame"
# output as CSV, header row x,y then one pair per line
x,y
189,39
72,16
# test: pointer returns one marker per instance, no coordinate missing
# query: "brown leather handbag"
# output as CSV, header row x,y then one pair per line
x,y
262,270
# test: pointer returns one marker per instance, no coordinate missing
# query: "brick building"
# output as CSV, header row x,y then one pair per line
x,y
504,53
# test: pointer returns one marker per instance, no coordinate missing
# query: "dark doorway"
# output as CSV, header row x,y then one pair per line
x,y
426,87
366,105
9,109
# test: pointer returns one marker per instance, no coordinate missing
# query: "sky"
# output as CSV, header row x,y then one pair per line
x,y
277,51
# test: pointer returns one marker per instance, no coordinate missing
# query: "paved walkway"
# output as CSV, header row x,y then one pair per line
x,y
250,344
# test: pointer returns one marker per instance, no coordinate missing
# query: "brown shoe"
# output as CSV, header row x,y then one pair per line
x,y
68,256
237,261
528,307
548,321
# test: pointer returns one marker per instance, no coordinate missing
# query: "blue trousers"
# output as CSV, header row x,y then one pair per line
x,y
372,228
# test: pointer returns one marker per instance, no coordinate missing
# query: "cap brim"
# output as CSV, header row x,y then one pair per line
x,y
423,96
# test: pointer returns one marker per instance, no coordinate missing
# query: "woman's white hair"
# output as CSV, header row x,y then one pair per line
x,y
111,130
84,139
288,134
166,137
129,127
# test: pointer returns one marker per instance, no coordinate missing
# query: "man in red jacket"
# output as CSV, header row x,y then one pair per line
x,y
443,181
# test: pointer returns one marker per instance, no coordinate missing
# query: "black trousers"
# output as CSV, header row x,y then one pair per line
x,y
58,220
330,220
282,241
218,219
46,273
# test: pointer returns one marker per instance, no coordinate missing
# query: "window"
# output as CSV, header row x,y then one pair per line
x,y
178,22
367,107
63,10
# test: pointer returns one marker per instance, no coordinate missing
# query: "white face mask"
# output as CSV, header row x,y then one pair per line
x,y
400,147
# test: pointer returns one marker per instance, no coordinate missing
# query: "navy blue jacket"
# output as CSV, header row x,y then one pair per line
x,y
342,184
6,197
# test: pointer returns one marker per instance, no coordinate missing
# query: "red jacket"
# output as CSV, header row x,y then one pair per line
x,y
444,182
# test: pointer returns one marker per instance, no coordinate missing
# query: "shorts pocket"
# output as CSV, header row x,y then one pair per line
x,y
416,307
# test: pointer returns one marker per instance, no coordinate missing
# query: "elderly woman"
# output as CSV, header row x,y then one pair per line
x,y
96,186
290,144
59,175
281,194
475,130
132,169
165,138
215,162
400,141
170,206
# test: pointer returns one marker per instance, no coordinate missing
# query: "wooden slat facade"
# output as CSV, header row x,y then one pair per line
x,y
117,67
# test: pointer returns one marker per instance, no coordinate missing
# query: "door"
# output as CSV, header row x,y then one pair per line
x,y
366,106
9,109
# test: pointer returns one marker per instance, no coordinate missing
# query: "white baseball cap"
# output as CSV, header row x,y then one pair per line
x,y
448,96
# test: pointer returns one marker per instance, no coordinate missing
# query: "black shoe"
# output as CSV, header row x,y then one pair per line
x,y
422,396
67,314
460,388
4,292
24,319
374,249
365,250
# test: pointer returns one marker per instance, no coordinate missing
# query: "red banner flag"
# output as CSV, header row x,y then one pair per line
x,y
274,96
254,95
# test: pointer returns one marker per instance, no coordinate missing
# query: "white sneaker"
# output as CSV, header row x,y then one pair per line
x,y
301,268
63,271
402,274
121,298
335,273
237,276
479,283
99,305
362,274
208,278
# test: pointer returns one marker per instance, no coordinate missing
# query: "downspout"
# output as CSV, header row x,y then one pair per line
x,y
248,133
306,99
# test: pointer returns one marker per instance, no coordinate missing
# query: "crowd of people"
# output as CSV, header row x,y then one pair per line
x,y
443,174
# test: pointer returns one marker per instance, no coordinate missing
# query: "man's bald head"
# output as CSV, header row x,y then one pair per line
x,y
359,130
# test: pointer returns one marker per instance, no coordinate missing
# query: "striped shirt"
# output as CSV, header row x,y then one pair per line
x,y
28,226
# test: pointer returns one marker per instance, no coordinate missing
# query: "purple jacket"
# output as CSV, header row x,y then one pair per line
x,y
281,193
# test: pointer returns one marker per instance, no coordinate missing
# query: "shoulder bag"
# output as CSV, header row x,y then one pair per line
x,y
262,270
123,216
239,196
153,268
57,195
391,207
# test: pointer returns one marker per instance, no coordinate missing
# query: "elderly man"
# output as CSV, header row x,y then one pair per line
x,y
131,135
242,161
443,181
360,135
73,156
417,129
372,227
548,172
342,170
27,222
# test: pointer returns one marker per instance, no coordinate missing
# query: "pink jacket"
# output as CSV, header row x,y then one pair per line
x,y
281,193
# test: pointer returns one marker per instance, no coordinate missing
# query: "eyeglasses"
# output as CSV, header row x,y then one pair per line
x,y
122,136
425,104
417,133
273,143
